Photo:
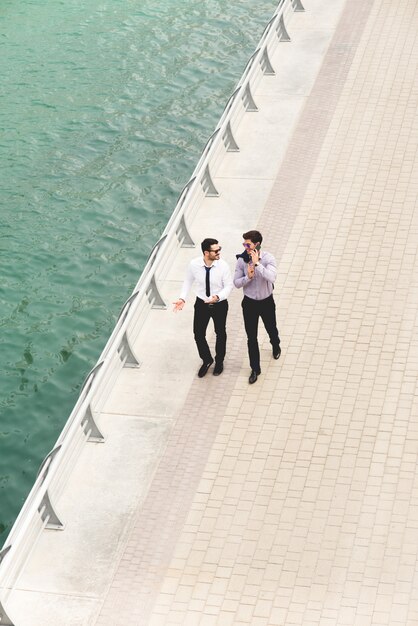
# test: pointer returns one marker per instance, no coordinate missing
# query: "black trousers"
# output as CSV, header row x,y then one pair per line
x,y
252,311
202,314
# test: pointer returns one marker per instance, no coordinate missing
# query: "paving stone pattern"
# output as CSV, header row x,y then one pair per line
x,y
294,501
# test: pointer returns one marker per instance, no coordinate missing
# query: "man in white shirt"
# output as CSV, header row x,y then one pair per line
x,y
213,284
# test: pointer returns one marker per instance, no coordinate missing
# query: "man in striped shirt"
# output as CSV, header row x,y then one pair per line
x,y
256,272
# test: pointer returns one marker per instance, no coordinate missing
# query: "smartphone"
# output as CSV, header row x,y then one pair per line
x,y
257,247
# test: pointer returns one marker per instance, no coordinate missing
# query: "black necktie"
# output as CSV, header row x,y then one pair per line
x,y
207,280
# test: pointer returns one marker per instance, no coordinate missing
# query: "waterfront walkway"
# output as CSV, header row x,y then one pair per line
x,y
293,501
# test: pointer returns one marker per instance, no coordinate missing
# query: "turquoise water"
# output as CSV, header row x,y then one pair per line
x,y
105,107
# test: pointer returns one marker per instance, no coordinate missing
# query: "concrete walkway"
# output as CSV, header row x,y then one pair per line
x,y
293,501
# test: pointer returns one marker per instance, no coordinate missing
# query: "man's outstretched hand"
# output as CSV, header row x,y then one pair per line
x,y
178,305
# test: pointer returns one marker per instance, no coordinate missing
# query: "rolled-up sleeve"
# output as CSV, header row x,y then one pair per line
x,y
240,275
269,271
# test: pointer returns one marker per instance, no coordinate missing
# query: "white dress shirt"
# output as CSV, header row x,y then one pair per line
x,y
219,277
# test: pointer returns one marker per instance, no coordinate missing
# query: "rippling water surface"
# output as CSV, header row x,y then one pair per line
x,y
105,107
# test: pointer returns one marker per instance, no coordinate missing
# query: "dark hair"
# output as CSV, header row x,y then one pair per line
x,y
254,236
207,243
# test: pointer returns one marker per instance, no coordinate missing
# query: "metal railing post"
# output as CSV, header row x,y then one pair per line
x,y
4,618
48,514
125,353
207,184
248,100
154,295
282,33
228,139
90,427
297,6
183,235
266,65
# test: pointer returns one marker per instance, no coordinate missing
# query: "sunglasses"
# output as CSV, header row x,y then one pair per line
x,y
216,251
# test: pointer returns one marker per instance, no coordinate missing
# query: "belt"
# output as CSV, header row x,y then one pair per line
x,y
211,304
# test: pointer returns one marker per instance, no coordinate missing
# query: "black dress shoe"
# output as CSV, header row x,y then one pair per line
x,y
204,369
277,353
218,369
253,377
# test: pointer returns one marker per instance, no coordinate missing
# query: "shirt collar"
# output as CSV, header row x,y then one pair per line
x,y
213,264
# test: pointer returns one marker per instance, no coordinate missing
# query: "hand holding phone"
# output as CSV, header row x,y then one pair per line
x,y
255,256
